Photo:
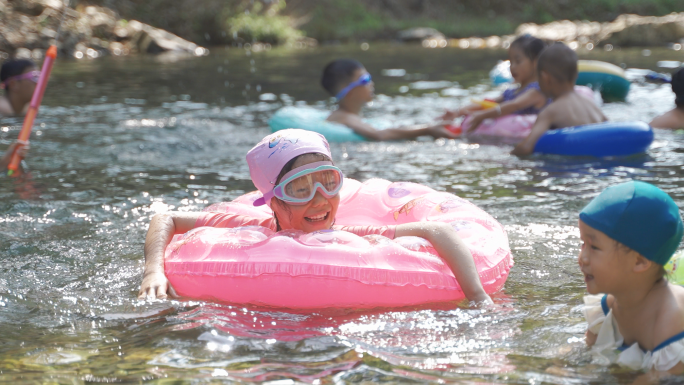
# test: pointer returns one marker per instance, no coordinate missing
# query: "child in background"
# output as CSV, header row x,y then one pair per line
x,y
635,317
557,73
294,171
675,117
349,82
525,99
19,78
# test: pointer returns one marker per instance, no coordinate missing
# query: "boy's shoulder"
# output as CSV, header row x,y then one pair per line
x,y
343,117
673,119
670,313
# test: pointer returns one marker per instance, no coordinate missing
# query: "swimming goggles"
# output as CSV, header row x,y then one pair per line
x,y
362,81
33,76
299,186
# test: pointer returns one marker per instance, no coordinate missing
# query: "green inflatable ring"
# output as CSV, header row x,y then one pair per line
x,y
606,78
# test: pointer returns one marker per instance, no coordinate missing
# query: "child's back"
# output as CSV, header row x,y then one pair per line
x,y
571,109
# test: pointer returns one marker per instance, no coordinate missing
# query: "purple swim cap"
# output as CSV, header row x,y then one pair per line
x,y
270,155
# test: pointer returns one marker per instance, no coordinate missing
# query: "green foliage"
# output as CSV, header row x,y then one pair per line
x,y
255,22
346,20
343,20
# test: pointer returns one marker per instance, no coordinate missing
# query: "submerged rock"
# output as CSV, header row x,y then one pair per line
x,y
147,39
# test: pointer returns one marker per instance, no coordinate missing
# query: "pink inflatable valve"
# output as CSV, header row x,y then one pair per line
x,y
336,269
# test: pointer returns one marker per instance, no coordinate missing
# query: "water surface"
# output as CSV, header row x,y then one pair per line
x,y
120,139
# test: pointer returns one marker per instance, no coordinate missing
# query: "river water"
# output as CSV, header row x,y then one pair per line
x,y
122,138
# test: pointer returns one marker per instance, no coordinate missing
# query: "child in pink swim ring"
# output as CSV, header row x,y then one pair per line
x,y
294,171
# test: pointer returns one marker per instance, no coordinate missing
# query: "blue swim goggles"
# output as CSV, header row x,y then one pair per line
x,y
299,186
362,81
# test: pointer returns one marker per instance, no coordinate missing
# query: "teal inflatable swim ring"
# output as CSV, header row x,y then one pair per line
x,y
311,119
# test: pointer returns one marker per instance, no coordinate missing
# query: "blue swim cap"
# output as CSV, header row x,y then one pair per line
x,y
640,216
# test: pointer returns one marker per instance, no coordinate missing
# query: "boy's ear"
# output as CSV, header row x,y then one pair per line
x,y
544,77
641,264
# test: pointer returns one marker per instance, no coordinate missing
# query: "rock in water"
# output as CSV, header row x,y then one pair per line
x,y
147,39
417,35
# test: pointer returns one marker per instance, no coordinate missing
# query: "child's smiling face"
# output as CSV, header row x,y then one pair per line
x,y
316,214
603,263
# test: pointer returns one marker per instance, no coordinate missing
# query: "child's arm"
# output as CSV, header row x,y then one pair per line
x,y
530,98
590,338
407,132
677,369
467,110
454,252
540,127
673,119
162,228
656,377
461,111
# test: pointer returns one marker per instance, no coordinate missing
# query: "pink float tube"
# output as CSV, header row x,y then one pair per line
x,y
336,269
514,126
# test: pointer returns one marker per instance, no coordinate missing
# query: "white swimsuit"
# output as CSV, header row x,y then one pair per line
x,y
610,346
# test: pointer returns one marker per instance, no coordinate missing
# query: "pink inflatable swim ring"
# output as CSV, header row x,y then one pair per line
x,y
337,269
514,126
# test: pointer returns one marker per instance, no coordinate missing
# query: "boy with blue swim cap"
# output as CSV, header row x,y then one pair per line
x,y
635,316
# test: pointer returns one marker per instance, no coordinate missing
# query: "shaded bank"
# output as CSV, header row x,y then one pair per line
x,y
212,22
97,27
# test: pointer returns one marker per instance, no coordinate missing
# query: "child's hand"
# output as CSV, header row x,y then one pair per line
x,y
476,119
440,131
482,300
20,147
450,115
156,285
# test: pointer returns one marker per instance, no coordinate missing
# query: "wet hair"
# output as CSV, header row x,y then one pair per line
x,y
289,167
529,45
14,68
337,73
559,61
678,87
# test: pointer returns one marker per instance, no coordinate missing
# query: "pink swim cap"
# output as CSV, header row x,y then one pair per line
x,y
270,155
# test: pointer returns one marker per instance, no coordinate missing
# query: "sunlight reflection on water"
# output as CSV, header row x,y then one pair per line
x,y
168,137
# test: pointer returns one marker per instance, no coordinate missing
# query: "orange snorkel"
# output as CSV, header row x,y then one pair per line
x,y
25,132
